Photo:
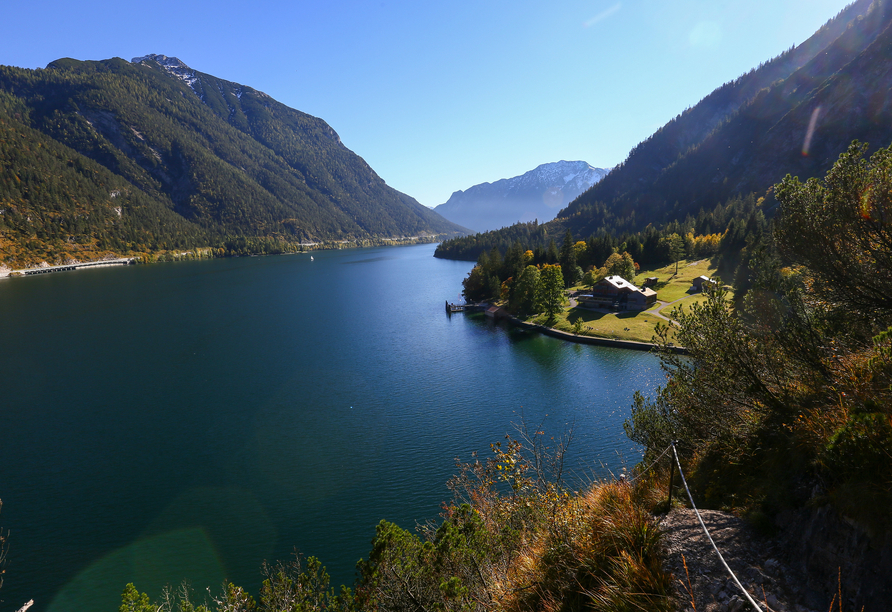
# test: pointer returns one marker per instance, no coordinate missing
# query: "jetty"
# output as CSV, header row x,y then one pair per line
x,y
123,261
450,308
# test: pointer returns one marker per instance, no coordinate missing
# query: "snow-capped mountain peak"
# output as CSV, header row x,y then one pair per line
x,y
576,175
173,65
537,194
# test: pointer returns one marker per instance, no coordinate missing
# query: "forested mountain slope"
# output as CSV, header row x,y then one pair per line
x,y
150,155
749,133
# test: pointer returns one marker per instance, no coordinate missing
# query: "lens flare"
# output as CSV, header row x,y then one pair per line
x,y
603,15
811,131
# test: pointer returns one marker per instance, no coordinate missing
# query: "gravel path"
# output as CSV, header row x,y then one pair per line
x,y
755,560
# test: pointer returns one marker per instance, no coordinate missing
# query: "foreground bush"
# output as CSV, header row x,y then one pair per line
x,y
514,539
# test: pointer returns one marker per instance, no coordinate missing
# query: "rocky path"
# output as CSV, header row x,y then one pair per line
x,y
705,586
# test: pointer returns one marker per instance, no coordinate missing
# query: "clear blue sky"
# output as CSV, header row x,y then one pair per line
x,y
441,96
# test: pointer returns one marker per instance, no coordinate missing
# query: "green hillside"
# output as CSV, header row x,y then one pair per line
x,y
114,156
752,131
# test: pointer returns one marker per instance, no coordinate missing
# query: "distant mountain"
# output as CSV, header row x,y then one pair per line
x,y
794,114
151,155
537,194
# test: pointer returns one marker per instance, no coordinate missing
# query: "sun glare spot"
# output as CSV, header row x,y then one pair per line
x,y
603,15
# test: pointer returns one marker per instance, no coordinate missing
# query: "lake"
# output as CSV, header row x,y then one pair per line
x,y
189,420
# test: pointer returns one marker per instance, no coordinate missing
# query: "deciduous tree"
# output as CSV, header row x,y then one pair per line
x,y
526,292
620,265
790,387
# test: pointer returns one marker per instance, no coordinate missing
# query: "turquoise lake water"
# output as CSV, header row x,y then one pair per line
x,y
189,420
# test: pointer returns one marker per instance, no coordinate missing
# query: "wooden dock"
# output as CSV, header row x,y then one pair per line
x,y
450,308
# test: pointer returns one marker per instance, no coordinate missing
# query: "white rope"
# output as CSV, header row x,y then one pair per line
x,y
702,524
645,471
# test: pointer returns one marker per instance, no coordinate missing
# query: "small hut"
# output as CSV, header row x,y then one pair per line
x,y
700,281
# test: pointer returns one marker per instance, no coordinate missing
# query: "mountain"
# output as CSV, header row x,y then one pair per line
x,y
794,114
150,156
537,194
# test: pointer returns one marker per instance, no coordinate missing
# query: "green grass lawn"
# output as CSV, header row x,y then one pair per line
x,y
684,306
639,326
628,325
672,287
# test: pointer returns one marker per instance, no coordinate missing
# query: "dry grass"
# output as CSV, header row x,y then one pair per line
x,y
600,550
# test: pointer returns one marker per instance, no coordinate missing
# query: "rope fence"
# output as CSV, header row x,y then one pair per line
x,y
706,531
684,481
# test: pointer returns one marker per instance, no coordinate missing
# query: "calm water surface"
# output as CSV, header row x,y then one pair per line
x,y
190,420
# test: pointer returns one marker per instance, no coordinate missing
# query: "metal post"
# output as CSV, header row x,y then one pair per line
x,y
671,477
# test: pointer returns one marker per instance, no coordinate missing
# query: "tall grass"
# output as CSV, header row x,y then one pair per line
x,y
600,550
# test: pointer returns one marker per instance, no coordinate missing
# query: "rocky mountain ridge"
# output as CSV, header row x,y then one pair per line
x,y
173,65
537,194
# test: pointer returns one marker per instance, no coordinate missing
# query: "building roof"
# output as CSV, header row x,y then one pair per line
x,y
620,283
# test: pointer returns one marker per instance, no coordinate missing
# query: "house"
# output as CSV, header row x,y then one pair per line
x,y
700,281
616,293
650,281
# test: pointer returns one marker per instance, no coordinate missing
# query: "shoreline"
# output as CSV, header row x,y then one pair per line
x,y
634,345
202,253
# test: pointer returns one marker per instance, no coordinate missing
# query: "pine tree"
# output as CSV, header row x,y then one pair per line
x,y
568,260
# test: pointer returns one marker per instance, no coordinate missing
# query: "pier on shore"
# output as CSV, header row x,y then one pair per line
x,y
123,261
450,308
